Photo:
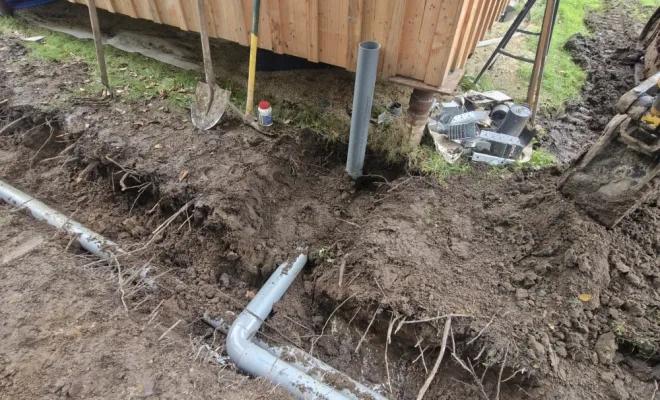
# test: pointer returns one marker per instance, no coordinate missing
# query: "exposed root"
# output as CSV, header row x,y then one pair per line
x,y
7,128
393,319
169,330
327,321
438,361
50,136
378,310
469,368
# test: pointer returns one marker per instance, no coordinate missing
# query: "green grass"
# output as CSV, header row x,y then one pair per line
x,y
541,159
427,161
134,75
643,9
562,78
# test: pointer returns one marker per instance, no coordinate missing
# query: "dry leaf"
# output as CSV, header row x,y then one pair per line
x,y
250,295
158,146
585,297
183,174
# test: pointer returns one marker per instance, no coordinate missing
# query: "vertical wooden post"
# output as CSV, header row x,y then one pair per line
x,y
96,31
541,55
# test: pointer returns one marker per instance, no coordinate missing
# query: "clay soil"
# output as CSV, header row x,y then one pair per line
x,y
545,303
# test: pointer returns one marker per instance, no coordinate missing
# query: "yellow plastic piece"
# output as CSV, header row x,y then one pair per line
x,y
252,74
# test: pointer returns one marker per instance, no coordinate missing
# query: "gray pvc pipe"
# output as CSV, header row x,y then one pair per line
x,y
89,240
363,97
306,363
259,362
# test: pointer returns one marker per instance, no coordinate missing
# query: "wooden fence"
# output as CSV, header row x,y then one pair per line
x,y
425,43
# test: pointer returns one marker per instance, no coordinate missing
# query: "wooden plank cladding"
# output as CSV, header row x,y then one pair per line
x,y
423,41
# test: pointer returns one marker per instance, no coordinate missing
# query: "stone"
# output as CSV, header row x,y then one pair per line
x,y
75,389
614,313
656,282
521,294
634,280
180,287
508,287
615,302
608,376
318,320
232,256
634,308
606,348
620,392
224,280
561,351
621,267
209,292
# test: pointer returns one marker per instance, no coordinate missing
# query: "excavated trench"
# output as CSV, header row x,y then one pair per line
x,y
390,258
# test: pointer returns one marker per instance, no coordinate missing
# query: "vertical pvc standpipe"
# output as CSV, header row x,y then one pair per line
x,y
363,97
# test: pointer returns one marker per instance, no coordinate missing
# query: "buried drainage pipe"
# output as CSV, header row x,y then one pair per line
x,y
306,363
89,240
256,358
363,98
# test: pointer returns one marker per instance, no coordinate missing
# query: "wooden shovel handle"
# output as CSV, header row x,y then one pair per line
x,y
206,46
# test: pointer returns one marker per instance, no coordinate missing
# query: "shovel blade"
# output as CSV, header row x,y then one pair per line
x,y
208,105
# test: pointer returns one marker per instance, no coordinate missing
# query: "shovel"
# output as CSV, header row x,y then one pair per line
x,y
210,101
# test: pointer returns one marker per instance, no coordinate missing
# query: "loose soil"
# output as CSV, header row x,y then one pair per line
x,y
547,304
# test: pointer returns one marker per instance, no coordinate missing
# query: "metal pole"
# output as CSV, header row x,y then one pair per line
x,y
96,31
365,83
505,40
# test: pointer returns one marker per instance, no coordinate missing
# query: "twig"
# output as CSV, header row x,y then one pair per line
x,y
436,366
499,378
298,323
154,312
418,321
142,189
10,125
470,370
367,330
421,356
74,237
121,284
350,223
513,375
342,268
397,185
354,315
328,320
168,331
65,224
387,342
50,136
482,331
655,390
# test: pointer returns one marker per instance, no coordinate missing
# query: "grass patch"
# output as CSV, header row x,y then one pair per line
x,y
644,9
135,75
541,158
427,161
562,78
